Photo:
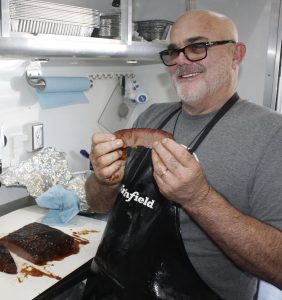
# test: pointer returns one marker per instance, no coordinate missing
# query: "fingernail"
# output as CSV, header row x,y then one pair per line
x,y
119,143
164,141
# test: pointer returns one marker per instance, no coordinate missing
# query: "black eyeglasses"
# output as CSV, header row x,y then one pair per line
x,y
193,52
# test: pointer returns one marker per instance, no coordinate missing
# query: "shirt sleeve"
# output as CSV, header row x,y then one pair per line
x,y
266,191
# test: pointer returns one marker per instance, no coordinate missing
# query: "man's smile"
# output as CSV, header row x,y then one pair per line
x,y
189,71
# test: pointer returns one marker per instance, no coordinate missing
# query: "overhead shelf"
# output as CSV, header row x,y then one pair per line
x,y
42,46
28,45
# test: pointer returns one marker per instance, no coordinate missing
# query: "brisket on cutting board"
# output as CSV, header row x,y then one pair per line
x,y
40,243
7,263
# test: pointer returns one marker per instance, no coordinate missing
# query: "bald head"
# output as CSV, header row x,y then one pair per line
x,y
208,77
205,24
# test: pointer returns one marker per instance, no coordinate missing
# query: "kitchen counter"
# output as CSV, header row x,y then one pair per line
x,y
71,270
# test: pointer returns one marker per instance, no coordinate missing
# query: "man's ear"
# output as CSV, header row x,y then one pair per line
x,y
239,53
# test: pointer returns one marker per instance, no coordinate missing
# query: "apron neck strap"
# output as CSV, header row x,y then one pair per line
x,y
204,132
170,116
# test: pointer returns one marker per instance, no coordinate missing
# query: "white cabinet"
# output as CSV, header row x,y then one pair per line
x,y
20,44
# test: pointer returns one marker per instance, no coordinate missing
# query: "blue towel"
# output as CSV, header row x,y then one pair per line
x,y
61,91
63,205
53,100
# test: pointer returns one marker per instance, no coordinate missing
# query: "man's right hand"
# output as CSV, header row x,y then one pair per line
x,y
105,157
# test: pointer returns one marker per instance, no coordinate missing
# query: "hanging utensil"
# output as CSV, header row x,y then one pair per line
x,y
123,107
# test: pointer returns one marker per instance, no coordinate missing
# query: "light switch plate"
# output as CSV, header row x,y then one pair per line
x,y
37,137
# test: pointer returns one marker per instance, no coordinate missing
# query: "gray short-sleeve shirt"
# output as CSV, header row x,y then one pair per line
x,y
242,159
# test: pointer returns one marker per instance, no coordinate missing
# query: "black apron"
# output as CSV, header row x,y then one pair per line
x,y
142,255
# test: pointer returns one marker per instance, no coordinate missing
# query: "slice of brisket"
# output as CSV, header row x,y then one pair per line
x,y
7,263
40,243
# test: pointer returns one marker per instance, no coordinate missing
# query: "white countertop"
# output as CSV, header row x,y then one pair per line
x,y
26,288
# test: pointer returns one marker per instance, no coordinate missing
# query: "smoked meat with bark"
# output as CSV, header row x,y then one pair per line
x,y
39,243
7,263
145,137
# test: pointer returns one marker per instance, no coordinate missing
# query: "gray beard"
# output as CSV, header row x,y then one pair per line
x,y
220,78
195,95
191,97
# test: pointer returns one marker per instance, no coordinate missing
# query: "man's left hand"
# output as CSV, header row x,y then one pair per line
x,y
179,176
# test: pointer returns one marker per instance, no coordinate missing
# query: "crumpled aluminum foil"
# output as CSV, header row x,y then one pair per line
x,y
77,184
46,168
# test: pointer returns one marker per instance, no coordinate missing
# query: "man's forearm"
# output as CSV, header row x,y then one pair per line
x,y
254,246
100,197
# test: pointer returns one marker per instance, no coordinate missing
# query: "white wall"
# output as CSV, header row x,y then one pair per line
x,y
67,128
160,9
252,19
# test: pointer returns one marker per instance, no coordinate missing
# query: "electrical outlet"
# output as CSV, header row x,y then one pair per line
x,y
37,136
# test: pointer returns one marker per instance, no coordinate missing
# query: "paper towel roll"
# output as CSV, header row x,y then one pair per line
x,y
61,91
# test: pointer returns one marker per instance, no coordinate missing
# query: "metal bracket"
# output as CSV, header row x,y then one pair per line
x,y
117,75
33,74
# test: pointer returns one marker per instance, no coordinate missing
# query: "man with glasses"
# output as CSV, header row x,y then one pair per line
x,y
215,226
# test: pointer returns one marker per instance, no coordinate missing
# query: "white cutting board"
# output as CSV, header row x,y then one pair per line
x,y
26,288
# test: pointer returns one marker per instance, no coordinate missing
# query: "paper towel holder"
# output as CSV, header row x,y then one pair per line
x,y
34,74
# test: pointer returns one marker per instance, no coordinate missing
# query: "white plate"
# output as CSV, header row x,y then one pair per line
x,y
17,286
